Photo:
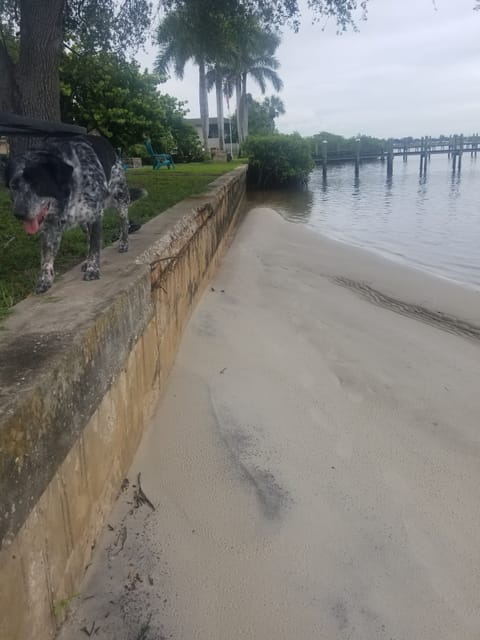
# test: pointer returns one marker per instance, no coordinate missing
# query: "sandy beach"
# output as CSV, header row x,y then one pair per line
x,y
313,467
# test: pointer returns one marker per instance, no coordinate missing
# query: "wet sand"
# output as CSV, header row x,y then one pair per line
x,y
314,463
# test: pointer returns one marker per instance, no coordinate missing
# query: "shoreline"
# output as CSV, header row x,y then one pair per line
x,y
399,279
313,464
430,227
391,256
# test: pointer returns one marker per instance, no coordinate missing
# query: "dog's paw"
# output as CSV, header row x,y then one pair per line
x,y
91,274
133,226
123,246
42,286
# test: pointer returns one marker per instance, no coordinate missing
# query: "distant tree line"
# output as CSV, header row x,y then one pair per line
x,y
339,147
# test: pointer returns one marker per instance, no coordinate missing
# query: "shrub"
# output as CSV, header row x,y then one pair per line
x,y
278,160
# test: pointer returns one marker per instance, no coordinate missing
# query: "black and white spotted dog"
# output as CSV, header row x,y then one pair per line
x,y
69,182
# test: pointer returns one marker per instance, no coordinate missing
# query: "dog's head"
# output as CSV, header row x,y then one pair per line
x,y
39,183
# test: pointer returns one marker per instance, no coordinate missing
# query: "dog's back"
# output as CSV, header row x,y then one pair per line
x,y
105,153
101,148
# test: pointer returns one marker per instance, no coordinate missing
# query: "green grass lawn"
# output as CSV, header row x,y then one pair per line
x,y
20,253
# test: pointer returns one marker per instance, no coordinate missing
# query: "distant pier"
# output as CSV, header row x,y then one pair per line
x,y
453,147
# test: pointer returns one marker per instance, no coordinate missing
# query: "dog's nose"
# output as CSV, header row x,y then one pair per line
x,y
19,213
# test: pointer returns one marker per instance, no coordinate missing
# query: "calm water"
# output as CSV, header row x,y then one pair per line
x,y
432,223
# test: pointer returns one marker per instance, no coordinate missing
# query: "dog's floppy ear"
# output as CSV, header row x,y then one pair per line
x,y
49,176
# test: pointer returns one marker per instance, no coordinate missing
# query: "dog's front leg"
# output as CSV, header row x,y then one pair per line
x,y
120,199
123,213
49,244
92,264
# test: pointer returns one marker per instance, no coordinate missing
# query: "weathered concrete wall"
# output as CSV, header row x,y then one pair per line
x,y
80,372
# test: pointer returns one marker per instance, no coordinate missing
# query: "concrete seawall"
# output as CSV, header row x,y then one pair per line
x,y
81,370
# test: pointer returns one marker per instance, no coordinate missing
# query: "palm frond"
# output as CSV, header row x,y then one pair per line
x,y
262,75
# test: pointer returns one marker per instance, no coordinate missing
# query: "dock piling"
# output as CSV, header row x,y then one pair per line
x,y
357,157
425,154
454,154
390,158
324,158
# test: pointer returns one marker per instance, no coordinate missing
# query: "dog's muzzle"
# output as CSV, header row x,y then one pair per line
x,y
32,225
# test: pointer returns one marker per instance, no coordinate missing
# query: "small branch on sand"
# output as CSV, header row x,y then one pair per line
x,y
120,541
140,497
92,630
155,262
143,631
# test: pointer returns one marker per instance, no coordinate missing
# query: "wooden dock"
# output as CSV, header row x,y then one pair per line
x,y
454,147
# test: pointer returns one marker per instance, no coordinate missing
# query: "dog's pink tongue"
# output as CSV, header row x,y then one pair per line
x,y
31,226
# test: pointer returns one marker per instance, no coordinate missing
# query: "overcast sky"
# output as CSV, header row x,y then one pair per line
x,y
413,69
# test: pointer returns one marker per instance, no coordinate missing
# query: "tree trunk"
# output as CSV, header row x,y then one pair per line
x,y
238,95
220,120
8,88
203,97
34,83
245,105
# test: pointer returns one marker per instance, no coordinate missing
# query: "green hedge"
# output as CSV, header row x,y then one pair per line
x,y
278,160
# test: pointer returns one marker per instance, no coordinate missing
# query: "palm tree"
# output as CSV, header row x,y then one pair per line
x,y
255,49
182,37
215,77
235,25
262,69
232,83
234,44
275,106
190,32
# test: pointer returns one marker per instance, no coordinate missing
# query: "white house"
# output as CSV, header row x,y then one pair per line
x,y
213,141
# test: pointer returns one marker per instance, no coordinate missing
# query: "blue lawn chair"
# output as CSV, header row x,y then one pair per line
x,y
159,159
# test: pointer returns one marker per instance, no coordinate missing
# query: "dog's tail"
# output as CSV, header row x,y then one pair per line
x,y
137,194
